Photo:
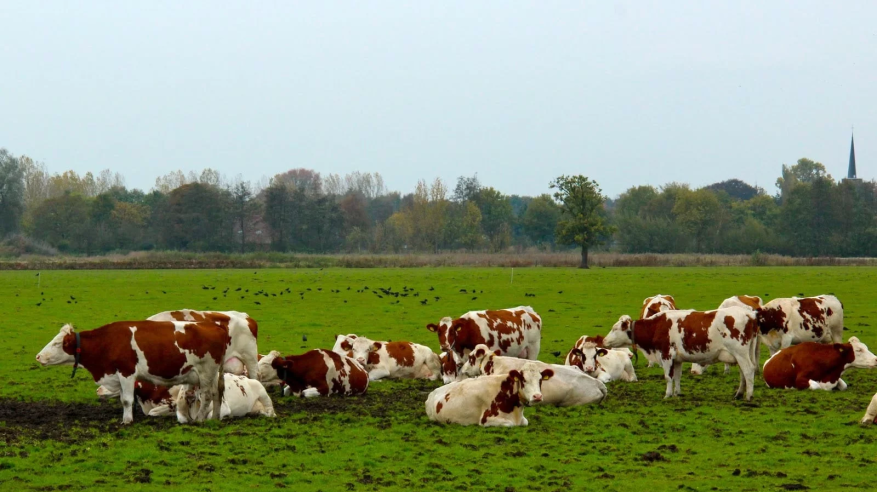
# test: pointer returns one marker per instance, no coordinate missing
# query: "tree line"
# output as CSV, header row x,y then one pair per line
x,y
302,211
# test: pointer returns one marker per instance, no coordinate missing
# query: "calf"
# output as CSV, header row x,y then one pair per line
x,y
516,332
315,373
489,400
396,360
785,322
746,302
816,365
568,387
596,340
241,357
604,364
154,400
724,335
242,397
164,353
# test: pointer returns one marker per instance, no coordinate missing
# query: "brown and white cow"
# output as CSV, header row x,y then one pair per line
x,y
489,400
242,396
746,302
568,387
317,372
816,365
516,332
242,355
871,412
395,360
724,335
164,353
604,364
651,306
784,322
596,340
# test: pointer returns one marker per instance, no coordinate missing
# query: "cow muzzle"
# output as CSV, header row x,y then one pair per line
x,y
537,397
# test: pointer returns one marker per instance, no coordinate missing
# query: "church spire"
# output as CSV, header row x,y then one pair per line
x,y
851,172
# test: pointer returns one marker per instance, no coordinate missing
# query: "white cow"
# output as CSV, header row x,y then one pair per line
x,y
607,365
242,396
490,400
568,387
395,360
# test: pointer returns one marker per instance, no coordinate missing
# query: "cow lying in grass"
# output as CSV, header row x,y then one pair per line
x,y
568,387
392,360
489,400
315,373
812,365
606,365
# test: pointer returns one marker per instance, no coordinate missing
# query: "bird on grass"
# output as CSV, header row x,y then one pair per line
x,y
257,302
556,353
474,298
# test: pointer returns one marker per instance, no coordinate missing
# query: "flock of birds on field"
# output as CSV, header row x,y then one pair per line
x,y
188,363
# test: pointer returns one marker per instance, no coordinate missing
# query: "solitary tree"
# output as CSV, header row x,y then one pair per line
x,y
582,221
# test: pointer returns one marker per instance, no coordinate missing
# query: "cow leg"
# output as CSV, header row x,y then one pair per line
x,y
267,405
217,396
378,373
629,372
747,375
727,369
126,395
757,356
310,393
677,378
841,385
252,368
183,411
668,376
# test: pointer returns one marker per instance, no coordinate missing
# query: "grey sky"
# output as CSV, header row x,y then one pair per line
x,y
624,92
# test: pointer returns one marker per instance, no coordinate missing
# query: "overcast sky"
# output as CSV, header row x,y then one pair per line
x,y
627,93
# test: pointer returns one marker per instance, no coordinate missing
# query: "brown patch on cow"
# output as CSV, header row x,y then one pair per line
x,y
373,358
105,350
507,399
597,340
178,316
447,397
438,407
812,315
309,370
402,352
752,301
695,331
488,368
795,366
346,346
771,319
254,327
652,335
467,337
163,358
652,305
202,339
448,365
152,393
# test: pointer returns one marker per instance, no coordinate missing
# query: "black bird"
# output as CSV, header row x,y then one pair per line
x,y
304,338
238,289
437,298
424,301
801,294
550,310
348,288
257,302
72,298
214,298
431,288
474,298
163,292
42,293
345,301
68,302
560,292
380,296
40,304
462,291
556,353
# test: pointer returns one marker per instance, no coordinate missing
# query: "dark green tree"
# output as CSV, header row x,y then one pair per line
x,y
583,221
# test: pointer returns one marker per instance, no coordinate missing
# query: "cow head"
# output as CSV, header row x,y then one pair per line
x,y
475,362
864,358
362,349
587,357
447,332
621,334
268,374
530,379
60,350
655,304
450,367
344,344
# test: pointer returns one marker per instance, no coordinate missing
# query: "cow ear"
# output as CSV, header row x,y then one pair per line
x,y
497,352
515,375
602,352
547,374
352,337
377,345
577,352
480,352
432,327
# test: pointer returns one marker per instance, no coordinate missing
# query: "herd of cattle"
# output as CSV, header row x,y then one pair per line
x,y
188,363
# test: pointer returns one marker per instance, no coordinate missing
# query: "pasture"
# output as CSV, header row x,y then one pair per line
x,y
56,434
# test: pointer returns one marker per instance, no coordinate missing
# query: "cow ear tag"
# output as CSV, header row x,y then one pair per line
x,y
459,328
545,378
841,350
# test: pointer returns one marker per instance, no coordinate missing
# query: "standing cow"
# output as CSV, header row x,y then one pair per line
x,y
816,365
489,400
395,360
652,306
243,352
568,387
315,373
746,302
723,335
784,322
516,332
164,353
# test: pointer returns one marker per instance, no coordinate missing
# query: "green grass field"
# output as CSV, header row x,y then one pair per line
x,y
57,435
